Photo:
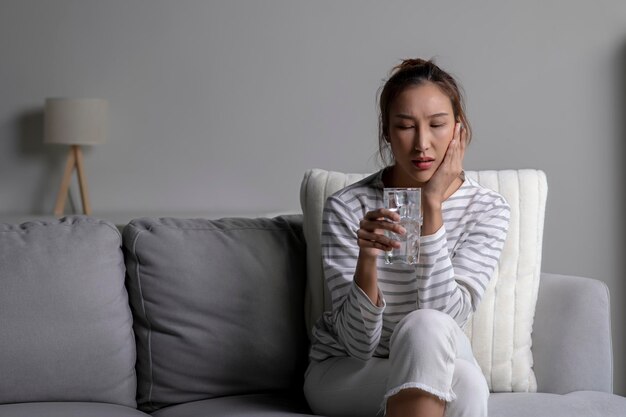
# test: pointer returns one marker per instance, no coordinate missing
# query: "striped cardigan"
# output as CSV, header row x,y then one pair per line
x,y
454,269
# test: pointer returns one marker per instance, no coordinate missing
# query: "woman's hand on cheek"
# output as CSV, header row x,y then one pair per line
x,y
434,192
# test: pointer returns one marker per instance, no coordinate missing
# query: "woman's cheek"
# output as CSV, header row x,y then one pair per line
x,y
446,136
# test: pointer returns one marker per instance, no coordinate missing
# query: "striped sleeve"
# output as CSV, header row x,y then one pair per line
x,y
454,283
355,320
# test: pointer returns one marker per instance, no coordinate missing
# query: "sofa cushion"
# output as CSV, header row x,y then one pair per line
x,y
574,404
217,306
500,330
64,314
572,335
283,404
78,409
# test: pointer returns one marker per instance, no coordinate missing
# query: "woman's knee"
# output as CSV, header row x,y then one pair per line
x,y
427,318
425,324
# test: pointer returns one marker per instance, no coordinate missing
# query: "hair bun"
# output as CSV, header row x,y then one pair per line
x,y
413,63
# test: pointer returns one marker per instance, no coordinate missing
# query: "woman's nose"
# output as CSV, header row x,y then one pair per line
x,y
421,142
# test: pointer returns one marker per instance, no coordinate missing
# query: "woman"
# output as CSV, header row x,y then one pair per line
x,y
394,335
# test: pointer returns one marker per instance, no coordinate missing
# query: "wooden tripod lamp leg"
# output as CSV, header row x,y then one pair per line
x,y
65,183
82,180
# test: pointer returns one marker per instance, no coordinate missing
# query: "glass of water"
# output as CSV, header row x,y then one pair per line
x,y
406,202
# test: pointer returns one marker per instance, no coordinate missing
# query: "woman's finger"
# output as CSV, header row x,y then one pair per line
x,y
451,154
382,213
373,225
462,140
458,145
373,244
380,241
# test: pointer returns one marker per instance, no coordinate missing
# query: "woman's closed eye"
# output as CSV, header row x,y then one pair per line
x,y
433,125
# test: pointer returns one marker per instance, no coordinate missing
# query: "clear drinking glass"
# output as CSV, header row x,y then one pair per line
x,y
406,202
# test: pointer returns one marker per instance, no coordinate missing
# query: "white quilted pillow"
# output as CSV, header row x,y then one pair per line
x,y
500,330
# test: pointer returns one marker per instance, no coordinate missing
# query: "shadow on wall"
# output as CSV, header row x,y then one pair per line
x,y
29,145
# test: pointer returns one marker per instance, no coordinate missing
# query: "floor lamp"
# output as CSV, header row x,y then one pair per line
x,y
75,122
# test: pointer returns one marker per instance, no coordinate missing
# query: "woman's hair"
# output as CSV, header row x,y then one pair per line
x,y
412,72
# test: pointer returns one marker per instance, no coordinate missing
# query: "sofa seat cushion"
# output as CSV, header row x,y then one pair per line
x,y
266,405
68,409
217,306
575,404
64,315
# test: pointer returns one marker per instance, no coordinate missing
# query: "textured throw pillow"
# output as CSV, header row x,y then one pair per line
x,y
500,330
66,326
217,307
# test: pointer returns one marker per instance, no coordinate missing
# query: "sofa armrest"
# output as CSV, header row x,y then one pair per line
x,y
572,335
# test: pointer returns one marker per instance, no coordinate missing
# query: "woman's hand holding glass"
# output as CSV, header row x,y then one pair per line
x,y
371,240
371,233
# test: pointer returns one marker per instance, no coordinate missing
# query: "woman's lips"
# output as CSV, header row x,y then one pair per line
x,y
423,164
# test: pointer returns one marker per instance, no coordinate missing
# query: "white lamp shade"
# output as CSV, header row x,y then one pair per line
x,y
75,121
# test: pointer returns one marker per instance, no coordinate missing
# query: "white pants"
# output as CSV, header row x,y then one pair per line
x,y
428,350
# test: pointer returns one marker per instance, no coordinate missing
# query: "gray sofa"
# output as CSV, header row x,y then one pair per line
x,y
192,317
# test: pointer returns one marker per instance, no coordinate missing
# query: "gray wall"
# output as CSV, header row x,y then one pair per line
x,y
220,107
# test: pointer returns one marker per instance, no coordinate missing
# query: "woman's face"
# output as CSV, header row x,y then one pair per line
x,y
421,125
